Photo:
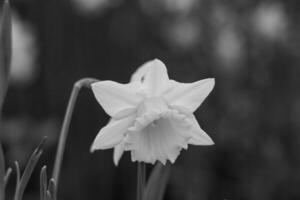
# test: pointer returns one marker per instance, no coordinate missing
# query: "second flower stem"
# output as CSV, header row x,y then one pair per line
x,y
85,82
141,180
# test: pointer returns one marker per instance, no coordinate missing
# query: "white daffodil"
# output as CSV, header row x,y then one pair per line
x,y
152,116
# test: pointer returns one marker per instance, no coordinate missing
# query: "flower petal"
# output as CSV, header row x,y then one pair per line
x,y
117,100
199,137
189,95
112,134
157,77
153,75
140,73
118,152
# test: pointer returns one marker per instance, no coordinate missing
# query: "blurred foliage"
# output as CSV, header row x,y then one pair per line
x,y
5,58
5,49
252,49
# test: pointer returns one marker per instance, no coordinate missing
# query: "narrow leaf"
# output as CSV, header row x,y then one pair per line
x,y
18,172
7,176
43,183
157,182
6,29
28,170
48,195
52,189
2,174
5,49
5,58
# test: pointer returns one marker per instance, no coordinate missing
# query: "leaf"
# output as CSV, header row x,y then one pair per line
x,y
18,171
51,190
7,176
48,195
5,33
22,183
47,191
5,49
5,58
2,174
43,183
157,182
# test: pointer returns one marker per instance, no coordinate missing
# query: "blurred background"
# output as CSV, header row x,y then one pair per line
x,y
251,47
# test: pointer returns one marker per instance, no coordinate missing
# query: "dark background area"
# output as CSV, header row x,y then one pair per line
x,y
251,48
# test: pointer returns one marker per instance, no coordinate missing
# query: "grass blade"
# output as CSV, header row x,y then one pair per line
x,y
157,182
43,183
7,176
48,195
18,172
2,174
52,190
21,185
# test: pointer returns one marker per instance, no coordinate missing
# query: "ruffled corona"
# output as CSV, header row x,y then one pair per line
x,y
151,116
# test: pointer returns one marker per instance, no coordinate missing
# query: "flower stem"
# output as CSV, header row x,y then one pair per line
x,y
85,82
141,180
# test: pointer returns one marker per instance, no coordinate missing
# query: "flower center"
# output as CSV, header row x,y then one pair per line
x,y
149,113
152,105
157,135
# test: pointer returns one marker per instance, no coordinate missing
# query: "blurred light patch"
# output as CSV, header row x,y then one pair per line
x,y
93,7
270,21
224,17
184,33
229,49
180,7
24,53
221,16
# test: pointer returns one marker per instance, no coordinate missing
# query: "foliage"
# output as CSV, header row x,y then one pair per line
x,y
5,56
22,181
5,60
47,191
5,49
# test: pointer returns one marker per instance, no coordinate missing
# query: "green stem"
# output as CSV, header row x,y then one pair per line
x,y
85,82
141,180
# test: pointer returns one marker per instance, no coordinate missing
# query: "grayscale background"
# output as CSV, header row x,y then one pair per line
x,y
251,48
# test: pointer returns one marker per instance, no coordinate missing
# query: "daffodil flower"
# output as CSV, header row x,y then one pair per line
x,y
152,116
